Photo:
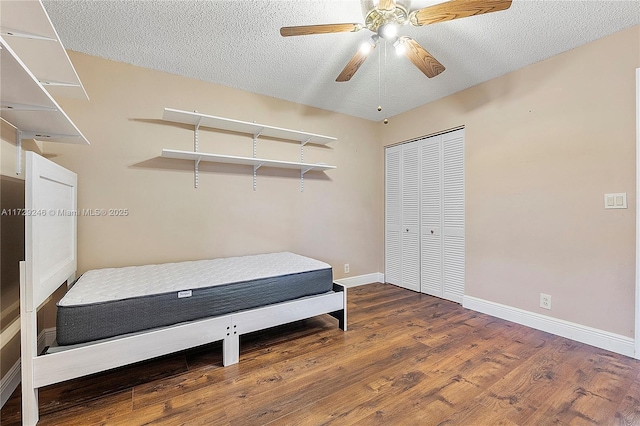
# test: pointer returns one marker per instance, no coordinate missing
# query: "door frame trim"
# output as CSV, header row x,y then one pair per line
x,y
637,308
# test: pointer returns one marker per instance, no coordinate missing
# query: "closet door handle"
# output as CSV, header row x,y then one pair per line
x,y
432,231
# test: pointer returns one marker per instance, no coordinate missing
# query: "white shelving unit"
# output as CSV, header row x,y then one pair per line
x,y
256,130
27,29
32,58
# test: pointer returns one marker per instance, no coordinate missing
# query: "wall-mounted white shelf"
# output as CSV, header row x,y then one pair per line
x,y
26,105
220,123
32,57
256,130
247,161
27,29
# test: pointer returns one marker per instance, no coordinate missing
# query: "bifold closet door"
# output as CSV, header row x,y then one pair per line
x,y
424,215
442,216
431,216
402,242
453,215
411,216
393,216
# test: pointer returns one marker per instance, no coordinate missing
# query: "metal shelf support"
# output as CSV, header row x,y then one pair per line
x,y
303,171
18,152
195,149
255,169
256,135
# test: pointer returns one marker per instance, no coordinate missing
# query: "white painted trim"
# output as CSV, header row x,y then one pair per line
x,y
375,277
9,383
637,321
581,333
10,332
11,380
49,338
15,306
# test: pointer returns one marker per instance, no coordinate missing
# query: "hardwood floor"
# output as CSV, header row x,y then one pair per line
x,y
406,359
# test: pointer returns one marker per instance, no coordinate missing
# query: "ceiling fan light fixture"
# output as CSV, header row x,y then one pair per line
x,y
400,47
368,45
388,31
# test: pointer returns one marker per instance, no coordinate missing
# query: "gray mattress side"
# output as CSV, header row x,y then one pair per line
x,y
85,323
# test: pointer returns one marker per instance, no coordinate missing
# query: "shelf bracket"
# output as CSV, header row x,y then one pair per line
x,y
302,172
195,172
10,106
195,134
21,34
58,83
255,141
255,153
195,149
255,169
302,144
18,152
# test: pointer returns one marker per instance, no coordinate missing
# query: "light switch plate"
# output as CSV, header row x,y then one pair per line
x,y
615,201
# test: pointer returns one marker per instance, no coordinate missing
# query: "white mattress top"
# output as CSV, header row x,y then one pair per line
x,y
103,285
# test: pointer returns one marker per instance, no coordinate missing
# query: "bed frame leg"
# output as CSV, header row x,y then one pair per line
x,y
29,350
30,415
341,315
231,349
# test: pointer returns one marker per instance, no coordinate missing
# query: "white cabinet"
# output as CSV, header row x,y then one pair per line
x,y
424,215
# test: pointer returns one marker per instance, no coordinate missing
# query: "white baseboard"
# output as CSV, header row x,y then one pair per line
x,y
50,337
12,379
9,383
375,277
581,333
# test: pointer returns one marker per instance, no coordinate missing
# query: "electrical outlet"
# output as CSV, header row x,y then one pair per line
x,y
346,268
545,301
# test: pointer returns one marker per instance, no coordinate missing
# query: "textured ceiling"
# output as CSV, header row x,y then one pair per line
x,y
237,44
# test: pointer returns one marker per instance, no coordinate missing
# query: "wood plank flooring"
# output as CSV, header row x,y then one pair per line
x,y
406,359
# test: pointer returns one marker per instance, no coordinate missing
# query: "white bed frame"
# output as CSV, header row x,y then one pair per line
x,y
51,259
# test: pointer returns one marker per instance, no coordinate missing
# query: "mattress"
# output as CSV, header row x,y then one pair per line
x,y
110,302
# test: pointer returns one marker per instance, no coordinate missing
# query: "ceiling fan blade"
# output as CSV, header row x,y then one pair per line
x,y
319,29
355,63
421,58
388,5
455,9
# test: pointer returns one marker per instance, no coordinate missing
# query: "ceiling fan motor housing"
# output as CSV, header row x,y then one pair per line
x,y
375,18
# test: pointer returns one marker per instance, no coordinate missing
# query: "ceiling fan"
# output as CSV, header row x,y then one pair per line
x,y
384,17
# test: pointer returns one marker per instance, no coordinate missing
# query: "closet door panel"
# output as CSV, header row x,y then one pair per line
x,y
453,268
453,215
431,217
393,215
411,216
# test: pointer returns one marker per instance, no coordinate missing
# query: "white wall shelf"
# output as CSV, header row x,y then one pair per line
x,y
247,161
256,130
32,57
220,123
26,105
27,29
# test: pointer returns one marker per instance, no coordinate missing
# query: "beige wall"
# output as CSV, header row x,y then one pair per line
x,y
337,218
543,144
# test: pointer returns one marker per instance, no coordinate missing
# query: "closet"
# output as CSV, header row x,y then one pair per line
x,y
424,215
